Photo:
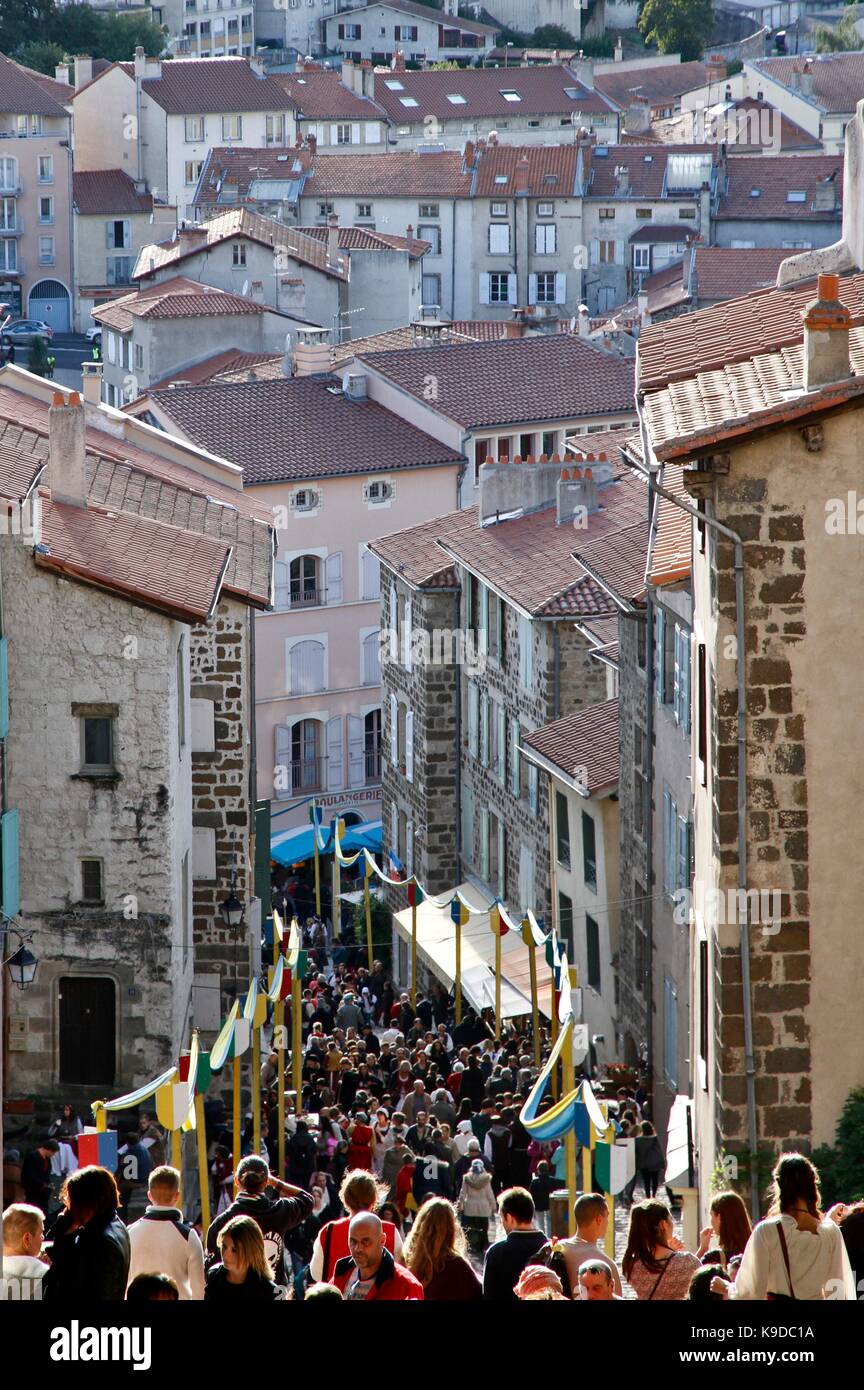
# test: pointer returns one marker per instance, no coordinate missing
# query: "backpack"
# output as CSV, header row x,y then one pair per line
x,y
500,1144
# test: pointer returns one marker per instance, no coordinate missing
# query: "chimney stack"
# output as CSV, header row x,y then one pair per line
x,y
312,353
638,118
333,239
826,336
807,78
67,466
576,494
622,180
92,374
83,71
61,73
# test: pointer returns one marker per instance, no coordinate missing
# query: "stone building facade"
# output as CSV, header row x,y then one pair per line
x,y
635,807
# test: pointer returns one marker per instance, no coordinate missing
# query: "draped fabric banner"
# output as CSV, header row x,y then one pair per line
x,y
616,1164
146,1092
221,1049
572,1112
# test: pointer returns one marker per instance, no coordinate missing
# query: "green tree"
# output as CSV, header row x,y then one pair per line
x,y
843,38
553,36
382,928
40,55
37,360
77,28
24,21
678,26
841,1164
123,33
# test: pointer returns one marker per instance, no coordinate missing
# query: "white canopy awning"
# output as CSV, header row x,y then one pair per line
x,y
436,948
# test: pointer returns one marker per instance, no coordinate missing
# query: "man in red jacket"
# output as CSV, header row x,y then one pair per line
x,y
370,1272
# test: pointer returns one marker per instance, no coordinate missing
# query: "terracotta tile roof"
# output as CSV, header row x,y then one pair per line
x,y
666,288
415,554
221,364
838,78
536,170
605,443
242,223
728,272
230,169
156,565
122,476
752,123
544,91
671,545
583,746
434,16
61,91
661,86
603,632
617,562
738,398
548,377
776,177
397,339
530,558
732,332
647,168
177,298
438,174
203,86
481,330
362,239
22,95
299,427
109,191
324,96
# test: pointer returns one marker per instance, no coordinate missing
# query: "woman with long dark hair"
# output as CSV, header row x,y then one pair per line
x,y
730,1227
655,1263
90,1250
435,1254
796,1252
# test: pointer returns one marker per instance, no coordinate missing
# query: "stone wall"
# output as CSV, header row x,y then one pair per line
x,y
633,968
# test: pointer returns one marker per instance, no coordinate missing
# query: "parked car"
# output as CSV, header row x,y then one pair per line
x,y
21,332
94,335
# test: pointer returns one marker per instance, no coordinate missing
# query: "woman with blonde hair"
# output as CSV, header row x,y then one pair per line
x,y
435,1254
729,1229
244,1273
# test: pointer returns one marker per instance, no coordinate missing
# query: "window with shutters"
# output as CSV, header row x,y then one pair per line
x,y
670,1032
232,127
307,662
372,746
370,646
526,653
305,499
545,287
589,851
499,288
670,843
545,239
193,129
306,756
681,681
409,745
467,824
702,714
565,923
533,789
484,728
430,232
515,760
641,257
606,252
377,492
306,590
473,719
703,1023
495,855
401,719
406,631
562,830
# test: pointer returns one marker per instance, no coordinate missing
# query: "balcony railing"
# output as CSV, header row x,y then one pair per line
x,y
17,269
12,229
373,765
307,598
308,775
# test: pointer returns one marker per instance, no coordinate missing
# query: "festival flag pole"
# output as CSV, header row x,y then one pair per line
x,y
338,829
609,1241
279,1039
528,938
203,1175
415,893
177,1158
568,1069
256,1089
297,1040
555,1088
368,903
313,812
459,915
495,922
235,1081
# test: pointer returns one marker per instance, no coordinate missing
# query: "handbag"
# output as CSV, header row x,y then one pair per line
x,y
790,1296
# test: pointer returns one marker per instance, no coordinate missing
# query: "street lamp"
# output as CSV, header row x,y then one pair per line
x,y
232,908
22,967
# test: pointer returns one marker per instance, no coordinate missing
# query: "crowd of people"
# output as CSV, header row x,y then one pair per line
x,y
408,1176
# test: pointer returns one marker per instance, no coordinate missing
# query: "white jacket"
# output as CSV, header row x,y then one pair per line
x,y
818,1263
163,1243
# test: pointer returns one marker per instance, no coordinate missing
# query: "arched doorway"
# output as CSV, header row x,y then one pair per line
x,y
49,301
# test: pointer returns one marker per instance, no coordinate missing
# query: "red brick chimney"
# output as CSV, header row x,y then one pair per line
x,y
826,336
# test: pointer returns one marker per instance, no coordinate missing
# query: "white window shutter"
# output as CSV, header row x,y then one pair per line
x,y
532,289
373,132
485,288
408,636
619,252
394,623
334,135
526,878
333,567
409,745
473,719
501,885
467,824
335,769
370,575
502,744
515,782
533,788
283,761
356,758
409,848
484,728
595,251
282,584
484,618
306,668
529,654
394,830
370,659
355,134
484,844
560,287
511,289
394,729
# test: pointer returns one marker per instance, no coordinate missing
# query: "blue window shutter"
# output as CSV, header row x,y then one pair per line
x,y
683,875
658,657
685,679
11,887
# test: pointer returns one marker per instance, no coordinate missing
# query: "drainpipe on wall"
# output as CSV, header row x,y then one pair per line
x,y
743,921
456,602
556,666
453,258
